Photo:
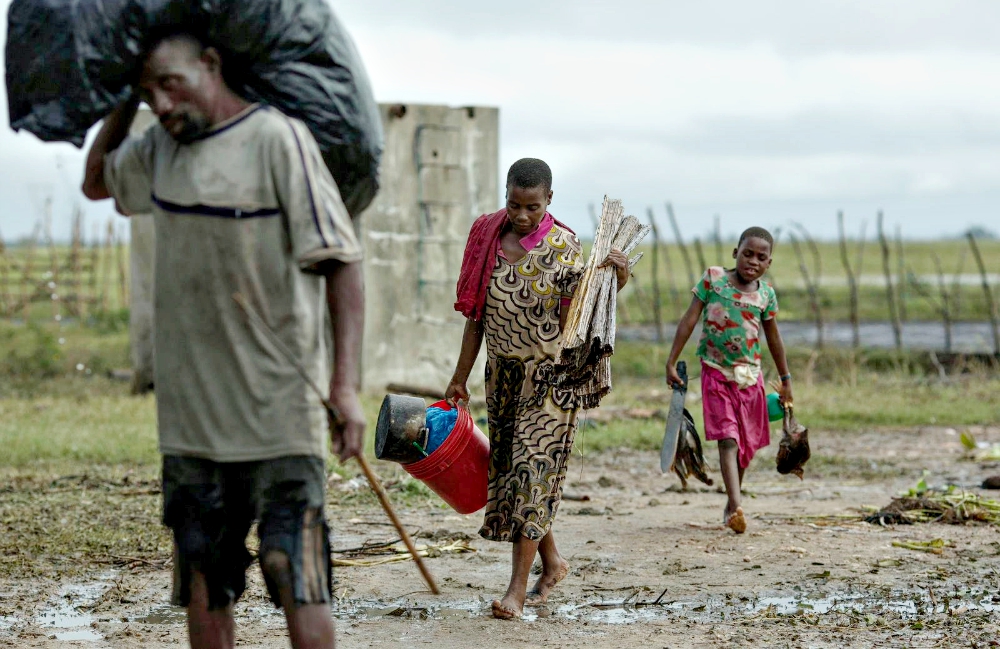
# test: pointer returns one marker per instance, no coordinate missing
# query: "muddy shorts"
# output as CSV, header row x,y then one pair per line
x,y
210,507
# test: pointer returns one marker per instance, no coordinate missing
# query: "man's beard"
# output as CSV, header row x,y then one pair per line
x,y
192,128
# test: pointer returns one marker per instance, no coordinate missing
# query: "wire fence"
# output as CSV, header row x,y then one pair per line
x,y
44,280
854,280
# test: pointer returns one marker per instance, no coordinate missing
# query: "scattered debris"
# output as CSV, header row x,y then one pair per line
x,y
591,511
935,546
933,506
400,553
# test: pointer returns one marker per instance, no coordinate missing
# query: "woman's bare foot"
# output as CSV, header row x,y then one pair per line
x,y
539,594
736,521
506,610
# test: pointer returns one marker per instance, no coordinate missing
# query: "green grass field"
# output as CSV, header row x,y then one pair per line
x,y
60,411
96,283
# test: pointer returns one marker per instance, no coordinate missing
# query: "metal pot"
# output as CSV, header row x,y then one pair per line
x,y
401,431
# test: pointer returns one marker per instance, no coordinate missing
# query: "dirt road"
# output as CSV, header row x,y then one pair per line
x,y
807,573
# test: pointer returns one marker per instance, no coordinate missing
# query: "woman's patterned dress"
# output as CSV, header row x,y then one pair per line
x,y
531,424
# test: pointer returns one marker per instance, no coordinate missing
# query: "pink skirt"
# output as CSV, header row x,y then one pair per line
x,y
732,413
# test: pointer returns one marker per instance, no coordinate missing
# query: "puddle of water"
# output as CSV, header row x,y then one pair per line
x,y
903,603
164,614
168,614
63,616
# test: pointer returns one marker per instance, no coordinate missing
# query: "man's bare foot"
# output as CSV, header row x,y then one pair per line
x,y
736,521
539,594
503,610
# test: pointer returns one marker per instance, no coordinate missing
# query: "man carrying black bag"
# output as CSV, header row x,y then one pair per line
x,y
242,203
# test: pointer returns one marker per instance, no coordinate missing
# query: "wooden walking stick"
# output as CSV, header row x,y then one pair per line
x,y
336,421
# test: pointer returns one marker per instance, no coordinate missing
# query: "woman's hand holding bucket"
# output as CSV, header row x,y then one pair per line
x,y
455,392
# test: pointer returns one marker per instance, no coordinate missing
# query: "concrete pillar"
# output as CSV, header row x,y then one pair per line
x,y
439,172
141,247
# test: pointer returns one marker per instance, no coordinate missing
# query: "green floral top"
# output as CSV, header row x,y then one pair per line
x,y
731,320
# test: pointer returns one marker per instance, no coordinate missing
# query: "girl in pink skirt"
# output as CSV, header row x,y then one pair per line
x,y
733,306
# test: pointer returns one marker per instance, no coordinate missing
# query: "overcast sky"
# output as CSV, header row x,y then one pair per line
x,y
762,112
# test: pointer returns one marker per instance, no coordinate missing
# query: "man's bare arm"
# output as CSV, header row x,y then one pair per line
x,y
112,134
345,293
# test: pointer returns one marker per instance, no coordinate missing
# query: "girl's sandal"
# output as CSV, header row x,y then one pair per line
x,y
736,521
502,612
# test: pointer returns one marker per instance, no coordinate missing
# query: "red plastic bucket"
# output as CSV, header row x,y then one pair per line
x,y
458,470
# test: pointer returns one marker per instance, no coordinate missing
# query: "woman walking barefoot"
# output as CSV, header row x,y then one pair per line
x,y
520,271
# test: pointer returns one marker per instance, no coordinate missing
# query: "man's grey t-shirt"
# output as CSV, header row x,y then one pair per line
x,y
248,208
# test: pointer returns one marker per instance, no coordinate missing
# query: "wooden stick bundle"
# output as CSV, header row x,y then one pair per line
x,y
583,363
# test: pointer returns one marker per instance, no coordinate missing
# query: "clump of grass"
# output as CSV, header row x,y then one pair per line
x,y
35,354
953,506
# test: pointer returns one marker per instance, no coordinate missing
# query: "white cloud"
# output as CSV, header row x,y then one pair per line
x,y
746,109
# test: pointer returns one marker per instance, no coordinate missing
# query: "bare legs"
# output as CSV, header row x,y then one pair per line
x,y
554,568
208,629
310,626
512,604
732,475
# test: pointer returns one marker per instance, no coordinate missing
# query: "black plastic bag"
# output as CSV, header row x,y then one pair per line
x,y
71,62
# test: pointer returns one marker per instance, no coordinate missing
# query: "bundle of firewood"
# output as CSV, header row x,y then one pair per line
x,y
584,360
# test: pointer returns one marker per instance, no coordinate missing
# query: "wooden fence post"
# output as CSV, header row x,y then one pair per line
x,y
95,262
53,286
699,254
28,272
4,279
890,293
720,254
945,303
657,314
956,286
901,279
73,301
852,284
987,292
122,274
815,279
680,243
811,288
106,263
941,304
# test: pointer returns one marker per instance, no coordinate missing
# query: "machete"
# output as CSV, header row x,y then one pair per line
x,y
675,420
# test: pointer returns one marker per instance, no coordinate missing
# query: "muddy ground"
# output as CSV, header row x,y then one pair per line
x,y
808,573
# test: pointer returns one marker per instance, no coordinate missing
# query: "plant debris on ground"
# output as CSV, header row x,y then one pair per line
x,y
950,506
